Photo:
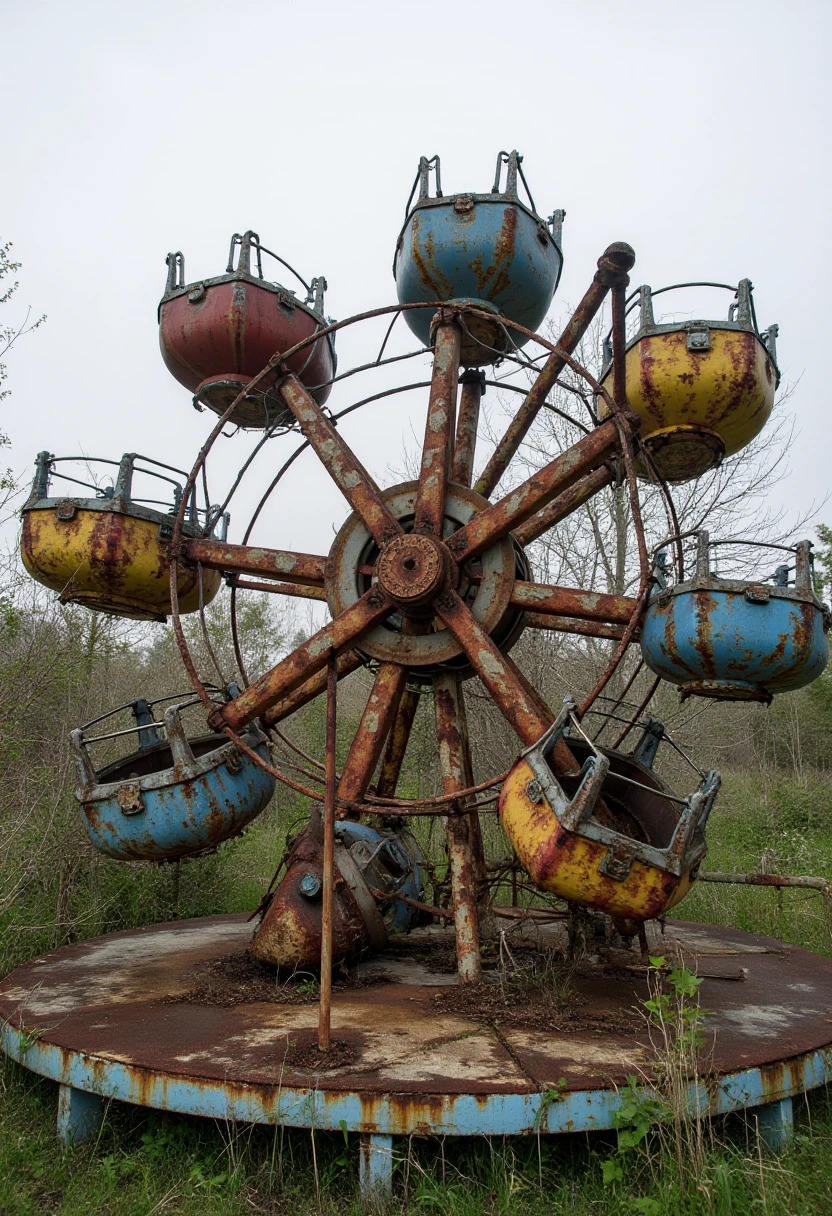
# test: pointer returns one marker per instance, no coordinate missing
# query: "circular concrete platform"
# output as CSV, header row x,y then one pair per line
x,y
130,1016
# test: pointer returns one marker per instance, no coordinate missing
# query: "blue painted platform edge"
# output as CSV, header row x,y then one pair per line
x,y
511,1114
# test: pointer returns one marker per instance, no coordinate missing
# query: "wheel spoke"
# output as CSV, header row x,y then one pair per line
x,y
373,729
281,588
564,505
352,479
567,624
612,269
439,430
454,765
566,601
520,709
303,662
495,522
304,568
514,696
397,742
347,663
473,387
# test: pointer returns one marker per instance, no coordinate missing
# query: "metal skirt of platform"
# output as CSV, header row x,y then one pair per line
x,y
114,1018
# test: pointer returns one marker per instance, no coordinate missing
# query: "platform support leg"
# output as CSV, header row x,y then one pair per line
x,y
80,1115
375,1167
775,1123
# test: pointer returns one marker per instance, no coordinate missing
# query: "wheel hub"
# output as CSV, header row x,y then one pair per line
x,y
411,568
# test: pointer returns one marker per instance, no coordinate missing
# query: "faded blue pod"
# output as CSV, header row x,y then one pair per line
x,y
175,798
485,249
737,640
393,860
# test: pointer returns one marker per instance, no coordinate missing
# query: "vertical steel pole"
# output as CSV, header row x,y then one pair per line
x,y
619,343
463,880
324,1015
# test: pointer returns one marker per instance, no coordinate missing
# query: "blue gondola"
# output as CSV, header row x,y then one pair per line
x,y
173,797
491,250
736,640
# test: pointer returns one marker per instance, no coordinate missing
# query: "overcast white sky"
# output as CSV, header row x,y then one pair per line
x,y
698,132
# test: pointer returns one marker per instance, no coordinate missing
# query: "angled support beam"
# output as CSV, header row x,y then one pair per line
x,y
567,601
346,663
473,389
567,624
303,662
397,741
495,522
454,767
373,729
280,588
613,266
564,505
439,431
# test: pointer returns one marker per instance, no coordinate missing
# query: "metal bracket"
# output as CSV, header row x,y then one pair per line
x,y
66,510
130,799
234,761
618,861
757,594
574,810
699,336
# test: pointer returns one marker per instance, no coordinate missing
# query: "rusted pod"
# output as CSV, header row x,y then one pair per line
x,y
634,854
366,860
737,640
217,334
173,797
108,552
492,250
703,389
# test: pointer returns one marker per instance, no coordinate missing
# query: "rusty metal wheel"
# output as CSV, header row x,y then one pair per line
x,y
429,579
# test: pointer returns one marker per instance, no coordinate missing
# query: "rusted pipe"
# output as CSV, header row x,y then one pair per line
x,y
325,1011
771,880
613,264
619,340
432,909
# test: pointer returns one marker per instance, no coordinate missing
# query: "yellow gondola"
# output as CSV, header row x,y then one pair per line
x,y
611,836
703,389
108,551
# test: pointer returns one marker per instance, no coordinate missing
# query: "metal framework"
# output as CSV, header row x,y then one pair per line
x,y
445,559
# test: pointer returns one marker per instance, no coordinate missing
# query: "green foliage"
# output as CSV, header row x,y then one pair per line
x,y
823,562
